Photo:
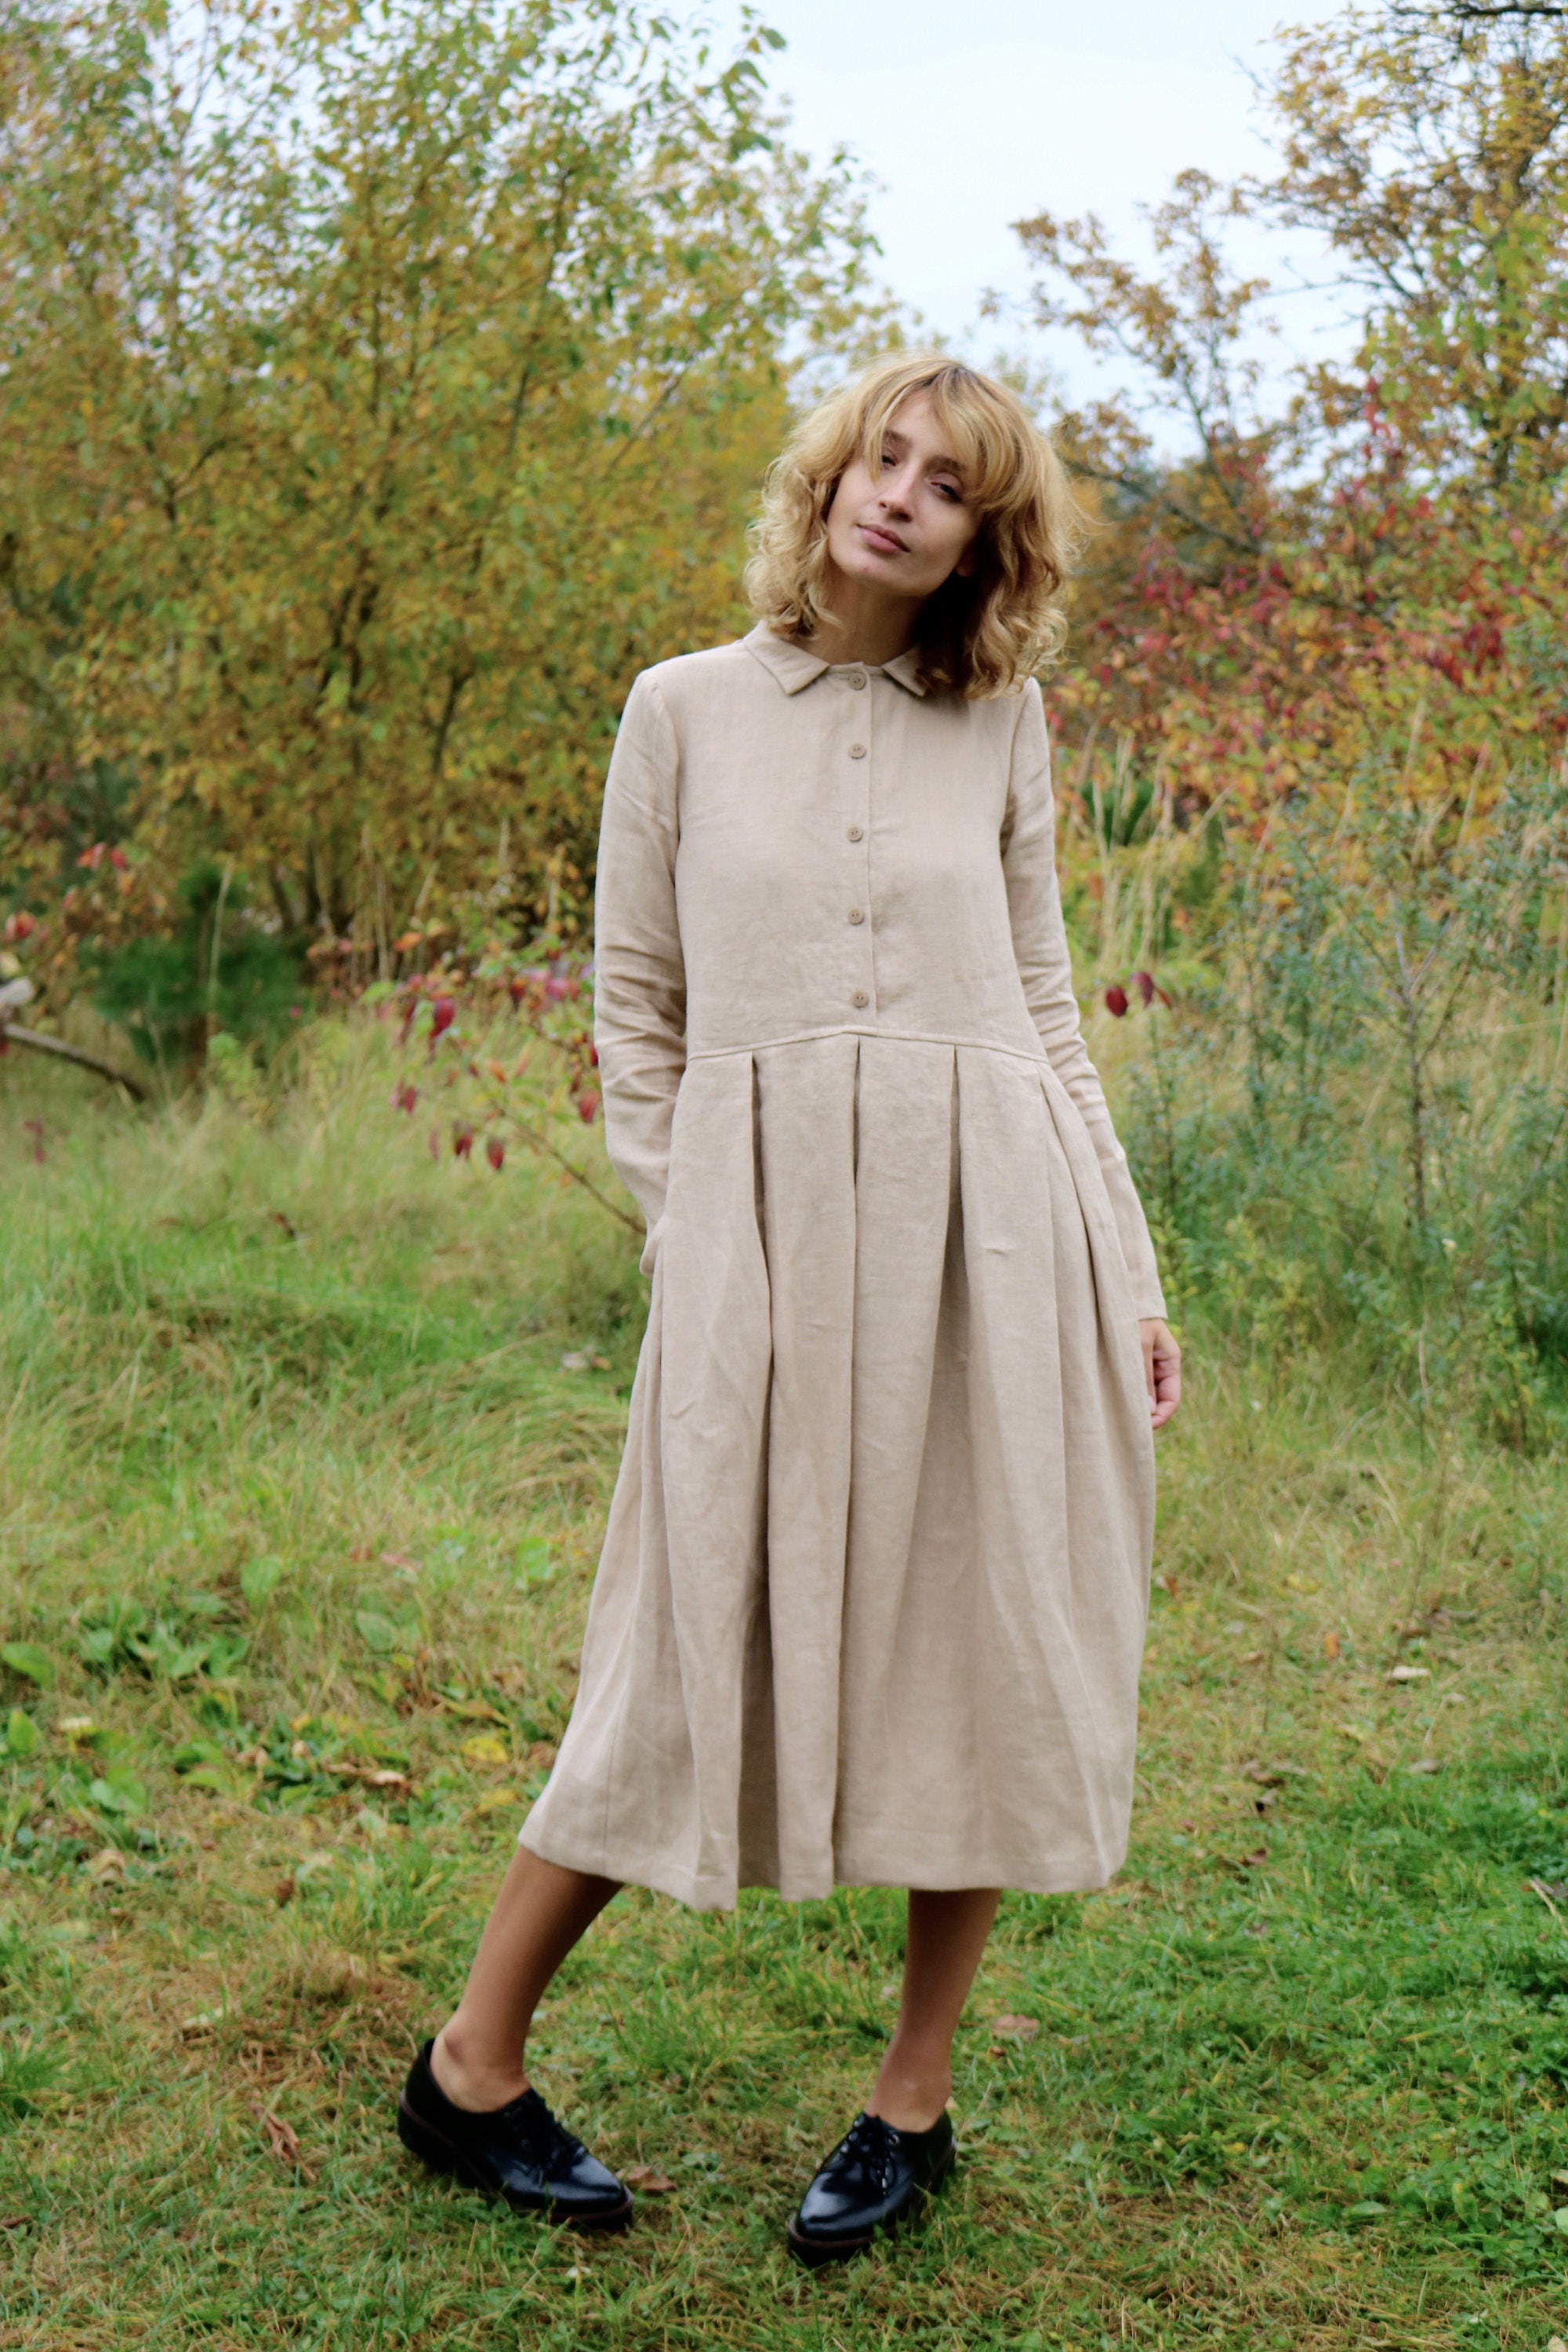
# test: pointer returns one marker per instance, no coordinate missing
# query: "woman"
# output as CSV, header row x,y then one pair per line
x,y
873,1592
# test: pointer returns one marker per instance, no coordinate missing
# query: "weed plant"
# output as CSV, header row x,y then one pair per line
x,y
308,1439
1352,1131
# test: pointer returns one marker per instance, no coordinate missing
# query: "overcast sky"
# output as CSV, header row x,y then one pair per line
x,y
975,113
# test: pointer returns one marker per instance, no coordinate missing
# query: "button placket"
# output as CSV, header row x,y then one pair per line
x,y
858,912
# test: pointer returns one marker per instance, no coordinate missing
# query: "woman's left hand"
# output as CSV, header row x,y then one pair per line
x,y
1161,1370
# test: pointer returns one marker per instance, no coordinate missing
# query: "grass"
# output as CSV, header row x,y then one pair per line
x,y
298,1509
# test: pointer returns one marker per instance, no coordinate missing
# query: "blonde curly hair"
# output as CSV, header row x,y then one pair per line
x,y
978,636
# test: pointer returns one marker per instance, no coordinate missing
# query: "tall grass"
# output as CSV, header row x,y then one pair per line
x,y
1351,1126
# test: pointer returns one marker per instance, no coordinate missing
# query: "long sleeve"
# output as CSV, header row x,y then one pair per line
x,y
1045,966
639,992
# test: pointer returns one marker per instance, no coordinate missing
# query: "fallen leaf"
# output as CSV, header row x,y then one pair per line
x,y
1555,2343
1330,1645
494,1800
474,1710
1255,1859
399,1559
648,2178
373,1776
15,2221
1409,1675
282,2139
110,1863
1427,1764
1020,2029
485,1749
283,1891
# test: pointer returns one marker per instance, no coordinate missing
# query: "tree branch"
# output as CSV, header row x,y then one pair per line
x,y
11,1035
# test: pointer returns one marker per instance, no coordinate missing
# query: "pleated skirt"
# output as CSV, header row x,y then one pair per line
x,y
873,1593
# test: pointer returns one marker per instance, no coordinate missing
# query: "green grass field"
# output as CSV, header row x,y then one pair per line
x,y
298,1509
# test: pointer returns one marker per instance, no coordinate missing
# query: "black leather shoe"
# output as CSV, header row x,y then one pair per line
x,y
518,2152
873,2180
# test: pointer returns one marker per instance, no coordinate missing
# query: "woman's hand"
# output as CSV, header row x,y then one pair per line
x,y
1161,1370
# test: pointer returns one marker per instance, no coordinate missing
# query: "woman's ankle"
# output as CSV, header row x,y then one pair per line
x,y
912,2088
471,2077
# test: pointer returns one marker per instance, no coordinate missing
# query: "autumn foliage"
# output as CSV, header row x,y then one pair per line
x,y
379,389
1377,562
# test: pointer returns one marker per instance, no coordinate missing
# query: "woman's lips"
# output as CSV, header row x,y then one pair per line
x,y
888,541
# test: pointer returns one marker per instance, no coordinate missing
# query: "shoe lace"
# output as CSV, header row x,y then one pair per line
x,y
564,2147
550,2139
870,2141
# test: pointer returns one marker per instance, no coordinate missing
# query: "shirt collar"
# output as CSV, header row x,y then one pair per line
x,y
795,666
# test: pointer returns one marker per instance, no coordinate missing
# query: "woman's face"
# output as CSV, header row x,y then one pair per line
x,y
903,525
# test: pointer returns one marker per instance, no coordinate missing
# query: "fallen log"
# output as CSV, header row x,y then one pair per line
x,y
11,1035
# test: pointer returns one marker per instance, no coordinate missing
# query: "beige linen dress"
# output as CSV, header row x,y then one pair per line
x,y
873,1592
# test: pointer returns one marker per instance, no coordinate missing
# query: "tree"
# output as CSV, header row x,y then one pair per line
x,y
1377,562
380,387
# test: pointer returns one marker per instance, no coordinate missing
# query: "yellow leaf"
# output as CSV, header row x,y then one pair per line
x,y
486,1748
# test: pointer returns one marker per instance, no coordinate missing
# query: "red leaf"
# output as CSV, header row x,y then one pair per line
x,y
587,1108
1116,1001
462,1140
119,860
1143,982
405,1097
445,1014
495,1152
555,989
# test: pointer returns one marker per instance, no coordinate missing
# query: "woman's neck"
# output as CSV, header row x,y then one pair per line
x,y
866,624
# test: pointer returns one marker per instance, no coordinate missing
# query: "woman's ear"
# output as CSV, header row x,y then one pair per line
x,y
969,562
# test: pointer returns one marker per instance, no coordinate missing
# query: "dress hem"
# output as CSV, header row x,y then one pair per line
x,y
722,1895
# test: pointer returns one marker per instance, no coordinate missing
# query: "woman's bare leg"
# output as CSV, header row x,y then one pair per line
x,y
946,1937
540,1913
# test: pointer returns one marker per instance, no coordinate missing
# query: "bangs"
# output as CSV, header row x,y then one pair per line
x,y
980,634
